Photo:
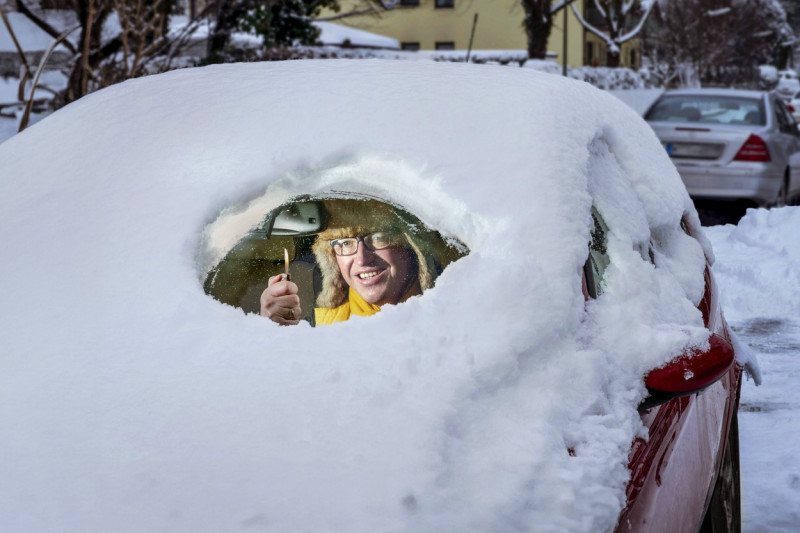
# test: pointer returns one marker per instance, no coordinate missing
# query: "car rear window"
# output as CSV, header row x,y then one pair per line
x,y
708,109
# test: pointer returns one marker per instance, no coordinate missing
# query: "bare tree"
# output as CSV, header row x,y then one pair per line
x,y
99,60
622,20
538,23
714,41
280,23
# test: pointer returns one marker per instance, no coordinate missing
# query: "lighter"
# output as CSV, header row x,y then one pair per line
x,y
285,276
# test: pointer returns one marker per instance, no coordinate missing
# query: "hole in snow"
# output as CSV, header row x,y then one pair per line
x,y
348,254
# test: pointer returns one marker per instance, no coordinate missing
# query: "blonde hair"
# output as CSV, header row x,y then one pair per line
x,y
349,218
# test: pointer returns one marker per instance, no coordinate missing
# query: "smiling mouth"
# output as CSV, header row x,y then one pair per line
x,y
370,277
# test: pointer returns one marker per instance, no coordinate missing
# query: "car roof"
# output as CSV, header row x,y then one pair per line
x,y
709,91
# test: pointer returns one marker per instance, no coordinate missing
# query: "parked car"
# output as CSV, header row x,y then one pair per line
x,y
730,144
565,365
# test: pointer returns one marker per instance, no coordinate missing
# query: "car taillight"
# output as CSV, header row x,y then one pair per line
x,y
753,149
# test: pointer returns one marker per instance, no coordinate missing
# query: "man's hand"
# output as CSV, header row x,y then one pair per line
x,y
280,303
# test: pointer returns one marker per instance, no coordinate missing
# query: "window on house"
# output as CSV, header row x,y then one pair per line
x,y
409,46
409,3
445,45
633,59
445,4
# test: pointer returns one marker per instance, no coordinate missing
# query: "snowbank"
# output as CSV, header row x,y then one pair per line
x,y
758,264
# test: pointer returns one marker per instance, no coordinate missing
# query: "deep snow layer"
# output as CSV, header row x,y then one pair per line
x,y
130,401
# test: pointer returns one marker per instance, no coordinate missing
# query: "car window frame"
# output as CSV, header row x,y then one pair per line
x,y
598,260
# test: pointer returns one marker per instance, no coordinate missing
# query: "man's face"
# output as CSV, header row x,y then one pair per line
x,y
378,276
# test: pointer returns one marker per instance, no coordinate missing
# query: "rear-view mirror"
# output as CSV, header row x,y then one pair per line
x,y
689,373
299,218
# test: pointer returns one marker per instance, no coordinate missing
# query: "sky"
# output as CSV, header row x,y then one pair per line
x,y
134,402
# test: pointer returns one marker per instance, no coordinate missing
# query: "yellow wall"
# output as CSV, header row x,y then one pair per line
x,y
499,26
598,55
575,33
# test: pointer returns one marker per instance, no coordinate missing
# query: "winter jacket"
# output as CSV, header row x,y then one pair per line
x,y
355,305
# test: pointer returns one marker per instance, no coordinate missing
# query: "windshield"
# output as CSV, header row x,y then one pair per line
x,y
708,109
328,246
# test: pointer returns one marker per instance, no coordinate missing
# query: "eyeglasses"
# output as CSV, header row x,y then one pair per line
x,y
373,241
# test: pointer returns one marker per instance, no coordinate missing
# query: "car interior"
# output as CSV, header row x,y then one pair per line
x,y
243,273
734,111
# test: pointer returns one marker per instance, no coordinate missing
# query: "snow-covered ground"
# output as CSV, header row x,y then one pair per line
x,y
758,269
8,127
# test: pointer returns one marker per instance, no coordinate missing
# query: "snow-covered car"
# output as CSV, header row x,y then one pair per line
x,y
788,84
564,367
730,144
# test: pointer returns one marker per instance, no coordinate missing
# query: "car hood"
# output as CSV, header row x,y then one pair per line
x,y
132,401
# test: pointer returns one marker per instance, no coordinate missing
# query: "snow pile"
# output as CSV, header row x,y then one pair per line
x,y
611,78
340,35
131,401
758,264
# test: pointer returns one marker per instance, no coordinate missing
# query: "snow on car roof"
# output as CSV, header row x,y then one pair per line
x,y
139,403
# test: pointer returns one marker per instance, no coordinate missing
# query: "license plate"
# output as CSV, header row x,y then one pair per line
x,y
694,150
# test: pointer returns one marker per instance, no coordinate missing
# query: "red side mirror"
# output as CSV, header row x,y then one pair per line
x,y
689,373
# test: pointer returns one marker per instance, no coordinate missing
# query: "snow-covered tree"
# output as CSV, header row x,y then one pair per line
x,y
618,21
114,40
279,23
690,42
792,9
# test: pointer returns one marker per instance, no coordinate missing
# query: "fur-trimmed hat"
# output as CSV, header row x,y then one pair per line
x,y
351,217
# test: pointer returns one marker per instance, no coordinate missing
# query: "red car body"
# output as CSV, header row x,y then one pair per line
x,y
685,476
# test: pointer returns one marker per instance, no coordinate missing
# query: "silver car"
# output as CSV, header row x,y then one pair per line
x,y
730,144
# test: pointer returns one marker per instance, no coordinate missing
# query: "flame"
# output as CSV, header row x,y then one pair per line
x,y
286,260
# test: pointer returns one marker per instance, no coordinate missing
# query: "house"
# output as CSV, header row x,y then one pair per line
x,y
453,25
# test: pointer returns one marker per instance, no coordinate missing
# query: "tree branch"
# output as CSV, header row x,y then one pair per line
x,y
635,31
559,6
20,52
599,7
591,28
44,26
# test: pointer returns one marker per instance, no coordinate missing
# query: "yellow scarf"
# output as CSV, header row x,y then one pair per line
x,y
355,305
